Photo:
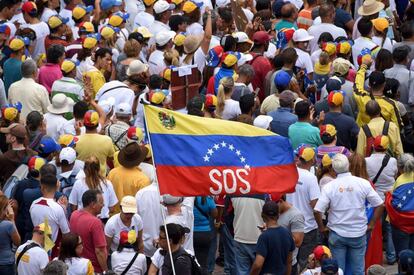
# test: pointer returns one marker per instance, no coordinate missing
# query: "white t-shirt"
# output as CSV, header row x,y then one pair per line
x,y
47,13
315,56
67,14
43,208
114,226
84,66
42,30
120,260
122,93
304,61
143,19
318,270
231,109
345,196
247,216
185,219
387,44
77,266
307,190
108,194
317,30
57,125
199,59
386,179
195,29
149,208
359,44
156,62
33,261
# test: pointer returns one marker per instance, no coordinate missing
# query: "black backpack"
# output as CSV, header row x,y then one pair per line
x,y
196,269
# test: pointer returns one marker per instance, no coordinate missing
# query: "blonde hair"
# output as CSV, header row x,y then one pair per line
x,y
324,58
225,88
132,48
93,177
171,57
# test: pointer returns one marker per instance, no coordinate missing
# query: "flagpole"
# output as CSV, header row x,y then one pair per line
x,y
158,187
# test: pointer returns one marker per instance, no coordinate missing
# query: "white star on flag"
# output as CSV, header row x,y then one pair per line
x,y
399,205
404,198
242,159
409,192
216,146
247,167
231,147
238,152
206,158
210,151
223,144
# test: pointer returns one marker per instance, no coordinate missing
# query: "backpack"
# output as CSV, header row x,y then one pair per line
x,y
370,139
10,185
196,269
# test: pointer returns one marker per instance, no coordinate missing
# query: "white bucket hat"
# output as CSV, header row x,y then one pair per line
x,y
60,104
301,35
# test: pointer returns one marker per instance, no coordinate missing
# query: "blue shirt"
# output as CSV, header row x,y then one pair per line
x,y
346,129
201,222
282,119
11,72
6,253
304,132
22,215
274,245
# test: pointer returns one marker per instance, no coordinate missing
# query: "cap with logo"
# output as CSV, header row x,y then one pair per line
x,y
118,18
344,47
80,11
211,101
327,160
91,118
67,154
56,21
15,129
11,111
229,59
127,238
214,56
329,47
162,6
190,6
69,65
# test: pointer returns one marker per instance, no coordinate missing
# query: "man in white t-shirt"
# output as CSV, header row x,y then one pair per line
x,y
346,198
163,41
162,14
46,207
327,14
365,28
179,210
304,199
31,258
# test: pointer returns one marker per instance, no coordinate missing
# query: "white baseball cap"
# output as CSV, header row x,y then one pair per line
x,y
123,109
262,121
68,154
301,35
242,37
164,37
161,6
136,67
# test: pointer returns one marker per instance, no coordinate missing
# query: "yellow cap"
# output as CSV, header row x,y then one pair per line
x,y
118,18
144,31
189,6
80,11
88,26
380,24
56,20
149,2
177,2
157,97
68,66
89,42
166,74
326,160
179,39
16,44
107,32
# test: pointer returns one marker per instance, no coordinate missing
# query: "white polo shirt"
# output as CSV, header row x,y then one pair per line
x,y
304,61
156,62
33,261
115,226
345,197
43,208
148,202
307,190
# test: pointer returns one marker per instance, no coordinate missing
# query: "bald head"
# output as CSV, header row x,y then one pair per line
x,y
373,109
289,12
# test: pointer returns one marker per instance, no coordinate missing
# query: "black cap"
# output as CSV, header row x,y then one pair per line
x,y
376,78
329,266
271,209
136,36
333,84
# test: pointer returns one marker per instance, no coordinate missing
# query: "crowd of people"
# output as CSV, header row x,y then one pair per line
x,y
79,188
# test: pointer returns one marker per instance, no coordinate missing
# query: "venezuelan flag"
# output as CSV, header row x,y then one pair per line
x,y
400,204
203,156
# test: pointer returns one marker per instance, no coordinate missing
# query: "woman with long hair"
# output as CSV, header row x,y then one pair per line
x,y
70,253
8,236
358,166
47,8
227,108
132,50
383,60
93,180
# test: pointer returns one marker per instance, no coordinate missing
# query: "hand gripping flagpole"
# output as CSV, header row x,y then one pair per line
x,y
158,187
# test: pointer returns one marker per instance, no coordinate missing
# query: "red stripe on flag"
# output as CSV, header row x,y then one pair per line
x,y
401,220
210,180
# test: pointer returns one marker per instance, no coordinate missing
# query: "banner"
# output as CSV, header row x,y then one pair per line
x,y
196,156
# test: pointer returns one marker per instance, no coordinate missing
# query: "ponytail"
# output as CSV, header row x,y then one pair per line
x,y
220,99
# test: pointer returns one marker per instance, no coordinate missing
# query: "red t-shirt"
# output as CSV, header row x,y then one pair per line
x,y
261,67
91,231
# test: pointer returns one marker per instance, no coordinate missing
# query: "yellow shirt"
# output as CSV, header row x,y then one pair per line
x,y
95,145
376,125
97,80
127,182
362,97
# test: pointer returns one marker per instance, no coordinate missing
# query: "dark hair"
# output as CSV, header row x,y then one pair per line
x,y
302,109
407,30
34,120
193,16
228,42
383,60
246,103
48,169
400,54
102,52
326,138
195,106
79,109
175,21
326,9
83,54
90,196
49,181
54,52
364,26
8,4
263,5
287,10
136,36
372,108
409,13
68,246
289,56
391,87
155,82
376,80
226,14
175,232
278,62
325,37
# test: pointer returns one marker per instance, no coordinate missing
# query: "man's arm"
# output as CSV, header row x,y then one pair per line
x,y
360,81
257,265
102,255
377,215
289,264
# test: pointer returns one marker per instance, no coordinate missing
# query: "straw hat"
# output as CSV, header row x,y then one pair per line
x,y
191,43
370,7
